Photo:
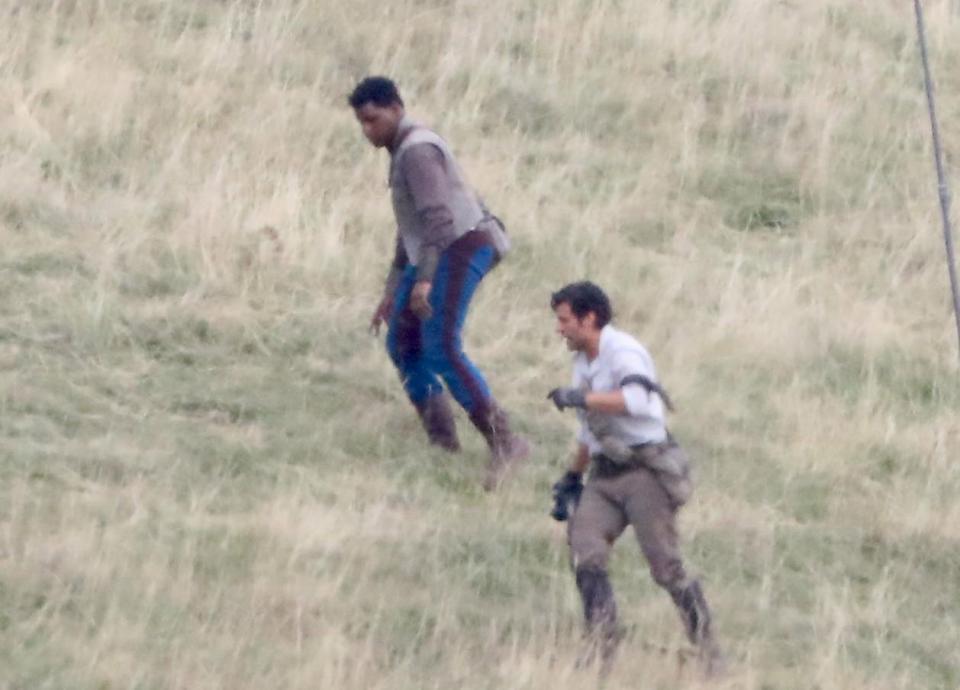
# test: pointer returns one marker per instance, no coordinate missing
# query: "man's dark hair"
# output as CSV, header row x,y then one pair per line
x,y
584,297
377,90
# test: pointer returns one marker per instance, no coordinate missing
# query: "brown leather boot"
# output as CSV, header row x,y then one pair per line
x,y
507,449
437,417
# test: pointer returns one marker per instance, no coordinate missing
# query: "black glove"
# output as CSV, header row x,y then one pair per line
x,y
568,397
566,495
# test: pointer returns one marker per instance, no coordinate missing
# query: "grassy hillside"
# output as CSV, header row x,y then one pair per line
x,y
209,477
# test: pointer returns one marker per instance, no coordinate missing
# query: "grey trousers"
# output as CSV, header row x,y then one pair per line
x,y
608,505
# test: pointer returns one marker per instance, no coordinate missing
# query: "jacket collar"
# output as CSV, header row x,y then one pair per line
x,y
404,127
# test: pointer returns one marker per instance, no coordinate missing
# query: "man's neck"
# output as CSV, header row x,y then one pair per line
x,y
592,349
403,128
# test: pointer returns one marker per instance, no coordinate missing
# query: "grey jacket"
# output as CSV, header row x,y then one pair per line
x,y
433,203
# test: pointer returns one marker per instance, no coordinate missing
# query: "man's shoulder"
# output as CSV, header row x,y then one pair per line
x,y
419,134
419,148
618,341
623,350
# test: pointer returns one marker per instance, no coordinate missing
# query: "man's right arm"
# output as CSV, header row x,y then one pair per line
x,y
382,312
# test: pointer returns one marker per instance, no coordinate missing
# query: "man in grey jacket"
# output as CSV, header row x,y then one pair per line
x,y
446,243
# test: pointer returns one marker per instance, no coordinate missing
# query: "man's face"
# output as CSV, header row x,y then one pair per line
x,y
575,331
379,123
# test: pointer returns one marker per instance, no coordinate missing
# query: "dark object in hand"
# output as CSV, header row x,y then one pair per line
x,y
566,496
568,397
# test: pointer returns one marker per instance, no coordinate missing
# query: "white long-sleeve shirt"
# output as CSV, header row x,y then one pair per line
x,y
620,356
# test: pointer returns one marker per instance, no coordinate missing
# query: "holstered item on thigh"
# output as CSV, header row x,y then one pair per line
x,y
672,467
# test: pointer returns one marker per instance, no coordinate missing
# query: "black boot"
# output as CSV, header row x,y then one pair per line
x,y
437,418
600,613
507,449
696,617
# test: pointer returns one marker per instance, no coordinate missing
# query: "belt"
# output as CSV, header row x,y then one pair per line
x,y
602,466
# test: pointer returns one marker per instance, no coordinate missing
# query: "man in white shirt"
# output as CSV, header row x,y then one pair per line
x,y
639,476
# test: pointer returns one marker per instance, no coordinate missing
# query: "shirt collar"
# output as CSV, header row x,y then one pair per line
x,y
606,335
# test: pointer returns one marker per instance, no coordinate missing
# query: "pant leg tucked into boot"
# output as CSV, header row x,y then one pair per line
x,y
600,613
693,611
697,621
507,449
437,417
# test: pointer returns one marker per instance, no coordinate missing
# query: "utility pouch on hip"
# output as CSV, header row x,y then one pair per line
x,y
667,460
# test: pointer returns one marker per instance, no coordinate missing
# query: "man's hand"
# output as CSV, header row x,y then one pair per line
x,y
568,397
381,314
420,299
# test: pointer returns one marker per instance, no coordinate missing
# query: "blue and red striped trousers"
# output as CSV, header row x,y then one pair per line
x,y
426,352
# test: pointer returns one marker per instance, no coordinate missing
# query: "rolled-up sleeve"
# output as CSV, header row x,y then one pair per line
x,y
638,400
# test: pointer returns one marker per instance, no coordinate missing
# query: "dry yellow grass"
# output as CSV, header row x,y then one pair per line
x,y
208,475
